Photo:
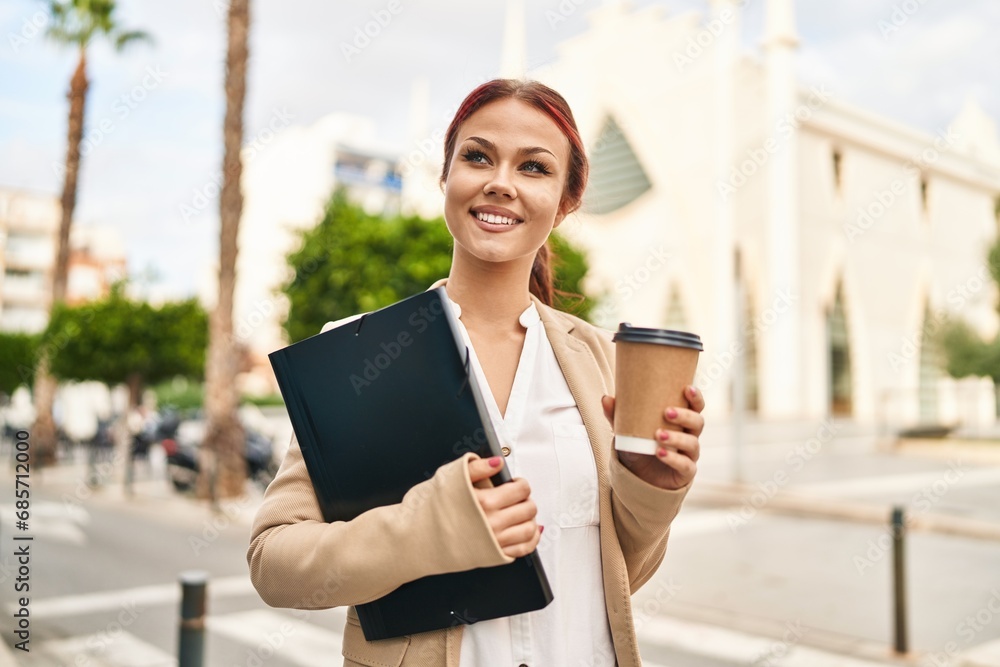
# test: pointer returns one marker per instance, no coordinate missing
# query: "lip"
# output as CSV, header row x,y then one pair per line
x,y
496,210
493,229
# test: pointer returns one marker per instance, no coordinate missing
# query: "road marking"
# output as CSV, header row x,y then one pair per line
x,y
984,655
729,645
88,603
269,633
124,650
295,640
59,522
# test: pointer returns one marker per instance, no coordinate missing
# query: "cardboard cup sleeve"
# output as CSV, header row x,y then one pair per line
x,y
652,368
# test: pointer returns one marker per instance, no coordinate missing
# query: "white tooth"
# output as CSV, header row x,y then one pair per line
x,y
491,218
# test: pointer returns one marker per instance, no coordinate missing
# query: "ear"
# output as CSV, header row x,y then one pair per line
x,y
562,212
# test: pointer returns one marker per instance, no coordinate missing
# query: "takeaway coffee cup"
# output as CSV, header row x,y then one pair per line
x,y
652,368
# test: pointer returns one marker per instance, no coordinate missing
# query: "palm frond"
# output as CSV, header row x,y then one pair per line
x,y
123,39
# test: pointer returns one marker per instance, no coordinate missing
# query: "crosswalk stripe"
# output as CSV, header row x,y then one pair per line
x,y
269,633
124,650
87,603
728,645
983,655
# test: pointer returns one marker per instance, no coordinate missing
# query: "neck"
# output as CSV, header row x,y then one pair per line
x,y
490,294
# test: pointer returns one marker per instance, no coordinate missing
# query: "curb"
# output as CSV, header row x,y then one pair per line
x,y
719,494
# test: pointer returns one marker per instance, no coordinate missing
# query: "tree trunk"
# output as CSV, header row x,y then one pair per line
x,y
44,430
223,463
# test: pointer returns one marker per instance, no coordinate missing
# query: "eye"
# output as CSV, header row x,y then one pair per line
x,y
473,155
536,167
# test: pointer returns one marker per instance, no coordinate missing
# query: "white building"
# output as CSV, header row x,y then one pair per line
x,y
847,234
29,223
29,227
286,185
809,242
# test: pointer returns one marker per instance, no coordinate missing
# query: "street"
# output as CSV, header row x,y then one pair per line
x,y
736,588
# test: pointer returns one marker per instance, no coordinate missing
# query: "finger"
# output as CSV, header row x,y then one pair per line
x,y
608,403
695,398
504,495
684,466
513,545
480,469
684,443
688,420
510,517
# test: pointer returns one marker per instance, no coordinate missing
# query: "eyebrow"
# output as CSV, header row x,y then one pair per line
x,y
532,150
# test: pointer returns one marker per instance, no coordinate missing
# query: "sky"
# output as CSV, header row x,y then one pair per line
x,y
154,124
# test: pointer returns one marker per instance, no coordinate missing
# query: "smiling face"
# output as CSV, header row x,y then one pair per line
x,y
506,179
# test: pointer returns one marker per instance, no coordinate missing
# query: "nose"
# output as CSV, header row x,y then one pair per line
x,y
501,184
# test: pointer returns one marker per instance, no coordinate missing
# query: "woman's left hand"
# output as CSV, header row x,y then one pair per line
x,y
675,462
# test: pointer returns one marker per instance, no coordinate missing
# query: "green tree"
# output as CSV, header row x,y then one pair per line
x,y
966,352
570,268
18,352
77,24
118,340
353,262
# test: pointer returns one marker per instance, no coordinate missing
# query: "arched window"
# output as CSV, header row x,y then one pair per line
x,y
838,166
748,332
676,316
840,357
930,370
616,176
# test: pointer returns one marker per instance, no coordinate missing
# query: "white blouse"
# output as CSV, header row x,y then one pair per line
x,y
548,446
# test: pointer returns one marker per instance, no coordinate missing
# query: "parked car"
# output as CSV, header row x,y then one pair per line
x,y
182,439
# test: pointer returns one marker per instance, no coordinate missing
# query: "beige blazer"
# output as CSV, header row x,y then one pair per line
x,y
297,560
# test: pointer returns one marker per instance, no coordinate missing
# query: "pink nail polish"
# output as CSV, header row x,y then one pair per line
x,y
541,529
661,452
671,413
495,462
664,435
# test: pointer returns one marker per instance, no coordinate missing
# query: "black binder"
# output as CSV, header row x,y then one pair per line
x,y
396,386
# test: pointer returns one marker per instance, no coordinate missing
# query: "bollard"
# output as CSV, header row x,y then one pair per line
x,y
191,652
900,643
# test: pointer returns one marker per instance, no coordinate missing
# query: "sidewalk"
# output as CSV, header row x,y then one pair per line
x,y
6,656
726,612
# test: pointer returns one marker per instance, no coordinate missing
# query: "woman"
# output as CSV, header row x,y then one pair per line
x,y
514,168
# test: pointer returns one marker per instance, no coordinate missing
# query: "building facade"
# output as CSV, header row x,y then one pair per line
x,y
29,223
814,245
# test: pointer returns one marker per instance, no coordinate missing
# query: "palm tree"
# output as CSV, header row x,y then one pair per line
x,y
223,464
74,23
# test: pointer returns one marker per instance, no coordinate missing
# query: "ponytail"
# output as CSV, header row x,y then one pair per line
x,y
540,283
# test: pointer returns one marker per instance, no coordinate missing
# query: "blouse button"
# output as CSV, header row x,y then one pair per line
x,y
505,450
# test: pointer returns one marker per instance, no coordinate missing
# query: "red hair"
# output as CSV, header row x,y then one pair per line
x,y
555,107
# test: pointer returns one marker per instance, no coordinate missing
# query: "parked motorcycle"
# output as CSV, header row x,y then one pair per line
x,y
181,440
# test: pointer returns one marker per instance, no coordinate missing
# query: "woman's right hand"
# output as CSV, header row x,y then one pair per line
x,y
509,508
